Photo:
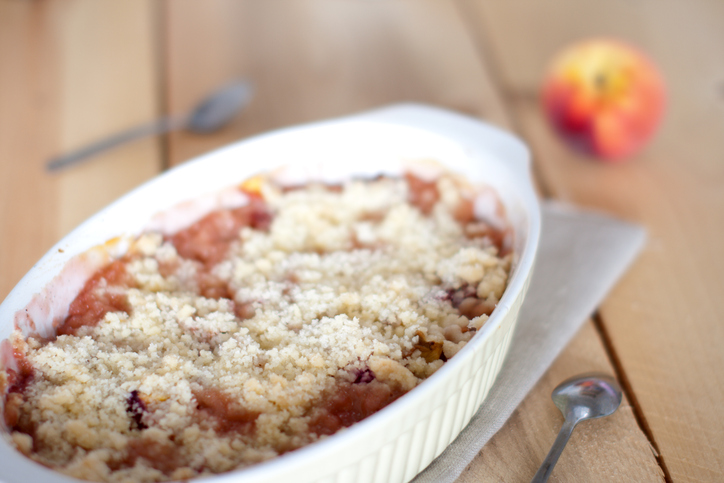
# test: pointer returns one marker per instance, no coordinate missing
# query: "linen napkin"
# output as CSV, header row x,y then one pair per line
x,y
581,256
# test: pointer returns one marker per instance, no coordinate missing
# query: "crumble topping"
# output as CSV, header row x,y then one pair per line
x,y
257,330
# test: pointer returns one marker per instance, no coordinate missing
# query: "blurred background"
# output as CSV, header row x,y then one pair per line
x,y
75,71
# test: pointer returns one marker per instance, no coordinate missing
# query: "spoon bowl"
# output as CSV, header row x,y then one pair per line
x,y
588,396
219,108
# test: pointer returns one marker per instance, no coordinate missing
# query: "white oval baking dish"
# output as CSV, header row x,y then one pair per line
x,y
399,441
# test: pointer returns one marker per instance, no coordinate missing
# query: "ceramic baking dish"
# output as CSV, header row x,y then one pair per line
x,y
399,441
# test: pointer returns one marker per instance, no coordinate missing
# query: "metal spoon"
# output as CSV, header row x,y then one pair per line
x,y
211,114
582,397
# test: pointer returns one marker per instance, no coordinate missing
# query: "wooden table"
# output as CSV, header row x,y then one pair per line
x,y
72,71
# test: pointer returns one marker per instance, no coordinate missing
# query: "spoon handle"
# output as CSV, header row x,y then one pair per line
x,y
545,469
150,129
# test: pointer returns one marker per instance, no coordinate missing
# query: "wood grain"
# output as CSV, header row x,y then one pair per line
x,y
28,134
612,449
311,60
72,72
664,321
315,59
108,83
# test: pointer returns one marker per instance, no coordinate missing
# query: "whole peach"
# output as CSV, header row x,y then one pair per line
x,y
604,97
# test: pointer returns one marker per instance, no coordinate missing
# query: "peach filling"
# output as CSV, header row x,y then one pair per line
x,y
341,398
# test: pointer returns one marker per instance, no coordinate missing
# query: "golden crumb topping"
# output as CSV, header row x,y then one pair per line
x,y
258,330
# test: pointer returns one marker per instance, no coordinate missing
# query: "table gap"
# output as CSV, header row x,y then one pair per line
x,y
487,57
628,391
161,52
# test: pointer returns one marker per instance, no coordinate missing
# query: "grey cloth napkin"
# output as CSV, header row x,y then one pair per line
x,y
581,256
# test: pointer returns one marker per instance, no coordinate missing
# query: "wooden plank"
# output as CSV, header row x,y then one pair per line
x,y
316,59
27,134
664,321
595,451
109,83
72,72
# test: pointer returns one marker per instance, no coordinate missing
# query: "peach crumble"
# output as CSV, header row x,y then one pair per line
x,y
257,330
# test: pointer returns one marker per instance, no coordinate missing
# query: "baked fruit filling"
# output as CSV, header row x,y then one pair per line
x,y
257,330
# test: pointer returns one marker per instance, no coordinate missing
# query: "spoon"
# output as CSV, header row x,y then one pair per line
x,y
582,397
210,115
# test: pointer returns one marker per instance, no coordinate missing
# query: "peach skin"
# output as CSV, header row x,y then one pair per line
x,y
604,97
